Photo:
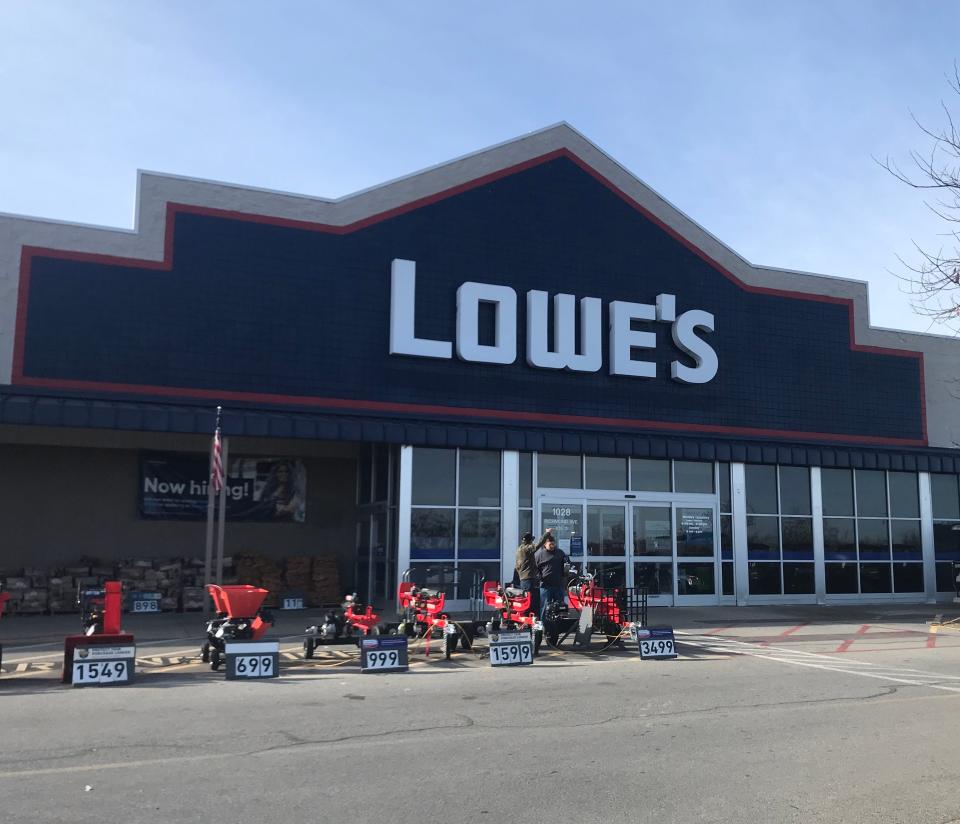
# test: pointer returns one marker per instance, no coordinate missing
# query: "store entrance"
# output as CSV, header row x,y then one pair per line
x,y
668,546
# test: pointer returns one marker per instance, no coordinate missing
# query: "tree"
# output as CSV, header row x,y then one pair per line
x,y
934,281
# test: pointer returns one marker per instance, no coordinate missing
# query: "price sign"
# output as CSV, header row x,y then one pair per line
x,y
100,665
655,642
384,654
292,603
252,660
510,649
145,601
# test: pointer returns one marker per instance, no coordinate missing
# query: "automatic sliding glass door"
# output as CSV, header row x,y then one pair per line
x,y
653,551
668,547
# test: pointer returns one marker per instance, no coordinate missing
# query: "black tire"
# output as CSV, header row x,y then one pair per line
x,y
215,659
537,641
449,644
205,653
466,637
309,645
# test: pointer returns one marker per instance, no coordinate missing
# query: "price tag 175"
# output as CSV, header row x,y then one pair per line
x,y
655,642
510,649
384,654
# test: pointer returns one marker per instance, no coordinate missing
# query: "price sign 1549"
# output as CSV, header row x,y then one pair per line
x,y
101,672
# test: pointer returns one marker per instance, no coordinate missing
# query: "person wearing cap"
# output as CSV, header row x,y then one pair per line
x,y
526,570
552,569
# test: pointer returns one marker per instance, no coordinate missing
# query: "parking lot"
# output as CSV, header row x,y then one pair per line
x,y
767,715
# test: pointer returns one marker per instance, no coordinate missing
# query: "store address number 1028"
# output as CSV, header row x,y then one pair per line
x,y
562,511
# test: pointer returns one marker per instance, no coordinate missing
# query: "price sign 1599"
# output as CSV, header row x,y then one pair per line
x,y
511,652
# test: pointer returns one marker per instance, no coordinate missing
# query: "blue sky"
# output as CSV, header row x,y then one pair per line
x,y
759,120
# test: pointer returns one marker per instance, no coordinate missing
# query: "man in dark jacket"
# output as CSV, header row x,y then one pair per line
x,y
527,570
552,569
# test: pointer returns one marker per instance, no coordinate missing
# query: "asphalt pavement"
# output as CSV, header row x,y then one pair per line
x,y
768,715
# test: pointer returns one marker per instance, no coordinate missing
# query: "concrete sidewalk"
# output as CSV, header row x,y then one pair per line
x,y
24,630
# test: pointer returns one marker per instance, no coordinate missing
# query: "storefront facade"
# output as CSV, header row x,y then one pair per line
x,y
524,338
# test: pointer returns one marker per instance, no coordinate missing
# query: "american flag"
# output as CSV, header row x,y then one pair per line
x,y
216,460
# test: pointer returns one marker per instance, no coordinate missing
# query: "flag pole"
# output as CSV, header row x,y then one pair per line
x,y
208,563
223,513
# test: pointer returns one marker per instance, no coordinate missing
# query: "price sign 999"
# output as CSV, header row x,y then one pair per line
x,y
384,654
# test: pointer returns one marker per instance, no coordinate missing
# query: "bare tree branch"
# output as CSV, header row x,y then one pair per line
x,y
933,281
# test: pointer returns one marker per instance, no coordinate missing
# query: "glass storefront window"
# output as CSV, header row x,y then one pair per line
x,y
479,478
693,476
434,477
695,579
875,578
437,576
609,574
651,531
526,479
763,538
566,520
726,537
761,482
723,472
908,578
478,533
797,539
606,530
606,473
764,578
470,578
524,522
839,539
694,532
873,539
841,579
904,500
905,538
657,578
836,487
798,579
794,490
649,475
871,492
432,533
559,471
946,501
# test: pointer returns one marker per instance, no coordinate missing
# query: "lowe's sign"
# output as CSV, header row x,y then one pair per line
x,y
565,353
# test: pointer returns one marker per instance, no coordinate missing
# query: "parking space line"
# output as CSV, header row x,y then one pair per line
x,y
849,642
786,633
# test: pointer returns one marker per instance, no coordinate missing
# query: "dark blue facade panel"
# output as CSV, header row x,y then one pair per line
x,y
278,311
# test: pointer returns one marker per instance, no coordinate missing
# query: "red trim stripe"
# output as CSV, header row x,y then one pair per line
x,y
172,209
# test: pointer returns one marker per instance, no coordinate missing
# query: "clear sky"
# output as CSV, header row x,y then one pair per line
x,y
759,120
